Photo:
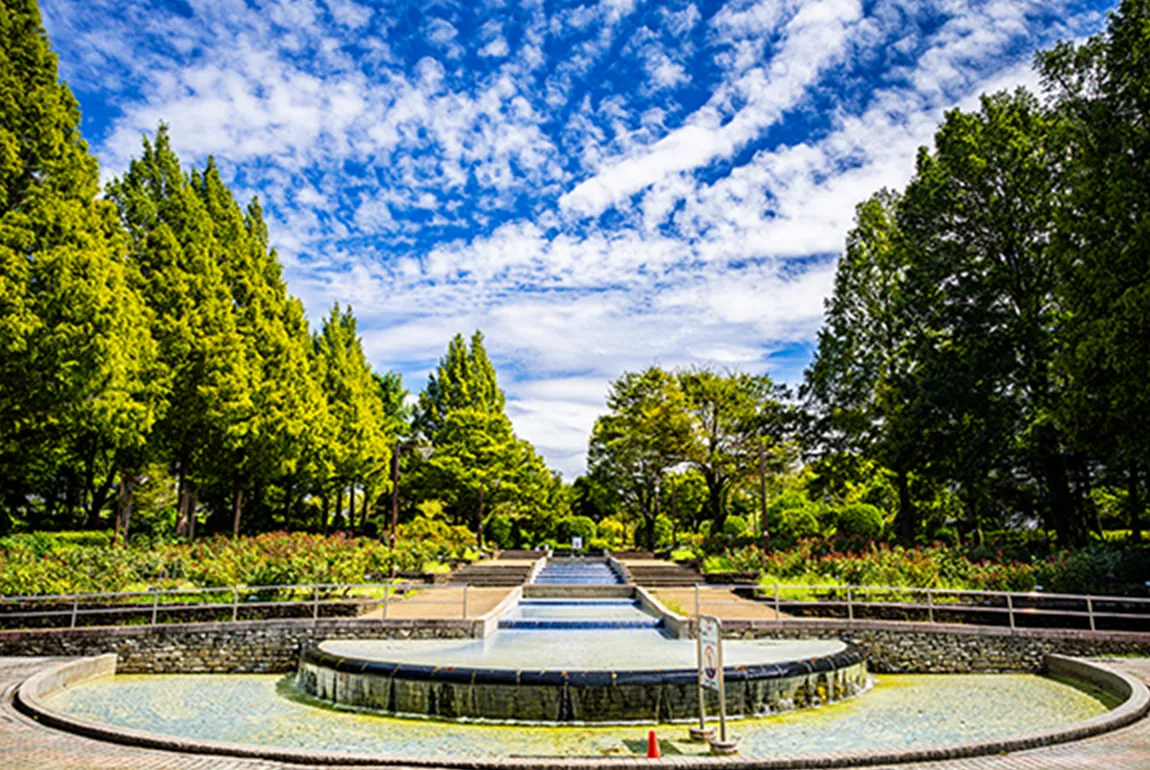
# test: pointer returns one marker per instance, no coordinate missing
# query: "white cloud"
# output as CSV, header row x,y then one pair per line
x,y
612,185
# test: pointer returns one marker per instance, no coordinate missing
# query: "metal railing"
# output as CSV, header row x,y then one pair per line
x,y
1033,609
157,607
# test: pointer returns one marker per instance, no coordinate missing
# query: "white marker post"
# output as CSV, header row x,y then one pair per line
x,y
711,678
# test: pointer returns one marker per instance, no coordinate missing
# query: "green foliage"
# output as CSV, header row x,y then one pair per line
x,y
733,416
501,530
795,524
269,559
663,531
576,526
735,526
612,531
77,365
859,520
465,379
646,432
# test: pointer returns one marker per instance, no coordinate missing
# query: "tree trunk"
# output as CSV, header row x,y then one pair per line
x,y
191,511
338,510
363,511
649,527
237,508
1062,509
1080,470
125,515
479,520
715,502
119,511
289,493
907,518
350,522
182,505
323,512
1134,502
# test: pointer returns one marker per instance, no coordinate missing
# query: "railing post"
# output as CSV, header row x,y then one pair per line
x,y
930,604
75,606
386,594
1090,612
850,606
1010,608
315,602
696,601
235,603
155,606
778,612
465,587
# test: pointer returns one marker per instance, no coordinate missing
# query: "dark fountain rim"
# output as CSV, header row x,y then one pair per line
x,y
849,656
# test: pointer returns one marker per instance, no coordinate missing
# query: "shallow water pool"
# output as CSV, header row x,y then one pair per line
x,y
900,712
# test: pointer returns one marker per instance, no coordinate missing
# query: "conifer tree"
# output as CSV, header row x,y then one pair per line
x,y
360,447
75,352
285,396
465,379
173,241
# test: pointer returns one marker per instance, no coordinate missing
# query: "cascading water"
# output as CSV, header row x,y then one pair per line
x,y
570,655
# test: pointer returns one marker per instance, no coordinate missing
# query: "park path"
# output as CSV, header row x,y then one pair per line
x,y
721,602
26,745
443,602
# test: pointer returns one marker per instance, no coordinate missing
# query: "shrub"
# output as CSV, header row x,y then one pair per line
x,y
501,530
664,529
613,531
796,524
859,520
598,544
577,526
735,526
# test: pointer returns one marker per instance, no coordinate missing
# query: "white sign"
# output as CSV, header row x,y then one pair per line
x,y
710,654
576,544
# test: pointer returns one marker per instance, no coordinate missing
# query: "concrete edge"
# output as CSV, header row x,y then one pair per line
x,y
679,626
488,622
846,626
29,699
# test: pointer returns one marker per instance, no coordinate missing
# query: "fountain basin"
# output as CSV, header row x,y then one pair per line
x,y
574,677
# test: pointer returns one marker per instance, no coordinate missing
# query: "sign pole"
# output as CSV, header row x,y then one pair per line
x,y
702,732
721,745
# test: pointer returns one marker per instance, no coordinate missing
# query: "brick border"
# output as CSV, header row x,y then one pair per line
x,y
1136,704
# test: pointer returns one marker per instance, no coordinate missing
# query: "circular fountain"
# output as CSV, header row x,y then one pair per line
x,y
565,659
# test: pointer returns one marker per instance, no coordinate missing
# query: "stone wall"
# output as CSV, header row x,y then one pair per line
x,y
905,648
275,645
243,647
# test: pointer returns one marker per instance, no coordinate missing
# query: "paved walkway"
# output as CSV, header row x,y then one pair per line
x,y
441,602
25,745
722,603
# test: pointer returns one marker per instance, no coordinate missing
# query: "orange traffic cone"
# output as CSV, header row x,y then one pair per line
x,y
652,746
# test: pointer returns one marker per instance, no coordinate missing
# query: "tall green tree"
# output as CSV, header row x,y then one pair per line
x,y
646,433
360,449
979,218
76,357
464,379
173,244
732,416
286,402
860,385
1101,88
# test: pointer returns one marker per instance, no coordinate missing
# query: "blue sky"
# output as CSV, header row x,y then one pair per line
x,y
598,186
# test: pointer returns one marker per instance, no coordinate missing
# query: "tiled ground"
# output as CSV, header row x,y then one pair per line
x,y
27,746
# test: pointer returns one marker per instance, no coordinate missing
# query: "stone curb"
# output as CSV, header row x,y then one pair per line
x,y
1136,704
